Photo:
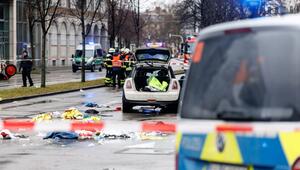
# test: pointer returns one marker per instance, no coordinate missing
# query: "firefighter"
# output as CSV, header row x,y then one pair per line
x,y
123,68
128,62
108,66
116,69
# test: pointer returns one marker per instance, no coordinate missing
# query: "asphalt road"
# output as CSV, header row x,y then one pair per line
x,y
34,153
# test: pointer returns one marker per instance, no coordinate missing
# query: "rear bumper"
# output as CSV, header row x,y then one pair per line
x,y
159,97
155,103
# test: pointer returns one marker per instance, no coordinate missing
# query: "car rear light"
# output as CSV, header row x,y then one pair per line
x,y
128,84
175,85
236,31
296,165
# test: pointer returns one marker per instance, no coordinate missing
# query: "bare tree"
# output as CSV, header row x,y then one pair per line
x,y
88,12
46,12
136,18
31,20
118,11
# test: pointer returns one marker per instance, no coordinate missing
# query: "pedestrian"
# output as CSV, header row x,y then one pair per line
x,y
26,67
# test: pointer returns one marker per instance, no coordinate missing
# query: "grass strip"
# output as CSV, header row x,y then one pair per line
x,y
61,87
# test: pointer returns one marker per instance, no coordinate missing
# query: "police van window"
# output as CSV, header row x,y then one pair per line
x,y
246,76
99,52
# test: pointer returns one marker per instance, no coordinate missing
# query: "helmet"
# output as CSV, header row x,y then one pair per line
x,y
122,50
111,50
127,50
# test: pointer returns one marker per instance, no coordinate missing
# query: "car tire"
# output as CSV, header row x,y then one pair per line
x,y
74,69
126,106
93,68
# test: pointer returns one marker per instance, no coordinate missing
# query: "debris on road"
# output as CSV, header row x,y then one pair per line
x,y
153,136
72,113
91,104
102,136
6,135
84,134
92,119
42,117
92,111
61,135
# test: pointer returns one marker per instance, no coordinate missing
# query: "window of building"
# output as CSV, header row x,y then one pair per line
x,y
53,62
1,13
63,62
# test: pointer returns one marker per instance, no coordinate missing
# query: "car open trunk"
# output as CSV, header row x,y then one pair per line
x,y
142,74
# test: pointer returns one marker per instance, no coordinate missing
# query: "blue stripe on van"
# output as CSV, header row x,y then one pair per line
x,y
262,151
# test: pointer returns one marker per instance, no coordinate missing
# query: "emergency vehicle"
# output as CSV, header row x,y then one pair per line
x,y
241,102
93,57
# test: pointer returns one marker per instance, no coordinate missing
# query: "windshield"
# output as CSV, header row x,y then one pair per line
x,y
248,75
88,53
153,54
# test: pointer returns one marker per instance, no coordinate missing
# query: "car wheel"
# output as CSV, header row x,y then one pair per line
x,y
126,106
93,68
74,69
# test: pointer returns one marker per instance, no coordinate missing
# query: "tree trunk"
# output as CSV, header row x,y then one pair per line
x,y
43,71
83,53
31,35
138,25
113,21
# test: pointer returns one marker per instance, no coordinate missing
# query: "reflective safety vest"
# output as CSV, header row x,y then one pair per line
x,y
155,83
116,62
108,63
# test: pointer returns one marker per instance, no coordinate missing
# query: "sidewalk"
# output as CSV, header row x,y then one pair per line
x,y
54,75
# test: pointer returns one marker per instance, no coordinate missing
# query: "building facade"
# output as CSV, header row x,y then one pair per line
x,y
63,37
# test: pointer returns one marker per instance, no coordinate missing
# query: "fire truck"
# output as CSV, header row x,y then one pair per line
x,y
186,50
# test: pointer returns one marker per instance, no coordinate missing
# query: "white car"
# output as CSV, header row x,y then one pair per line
x,y
151,62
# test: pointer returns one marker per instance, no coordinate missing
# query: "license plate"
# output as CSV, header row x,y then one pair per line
x,y
225,167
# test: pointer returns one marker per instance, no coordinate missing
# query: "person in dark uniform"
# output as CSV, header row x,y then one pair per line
x,y
26,67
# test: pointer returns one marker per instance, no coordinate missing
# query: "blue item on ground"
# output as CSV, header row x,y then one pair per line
x,y
61,135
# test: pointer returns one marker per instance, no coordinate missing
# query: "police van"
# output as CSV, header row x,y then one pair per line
x,y
240,107
93,57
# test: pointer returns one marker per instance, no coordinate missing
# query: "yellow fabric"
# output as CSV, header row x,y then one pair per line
x,y
290,142
92,119
72,113
155,83
230,154
42,117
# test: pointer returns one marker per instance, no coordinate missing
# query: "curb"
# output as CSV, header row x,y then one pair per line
x,y
48,94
